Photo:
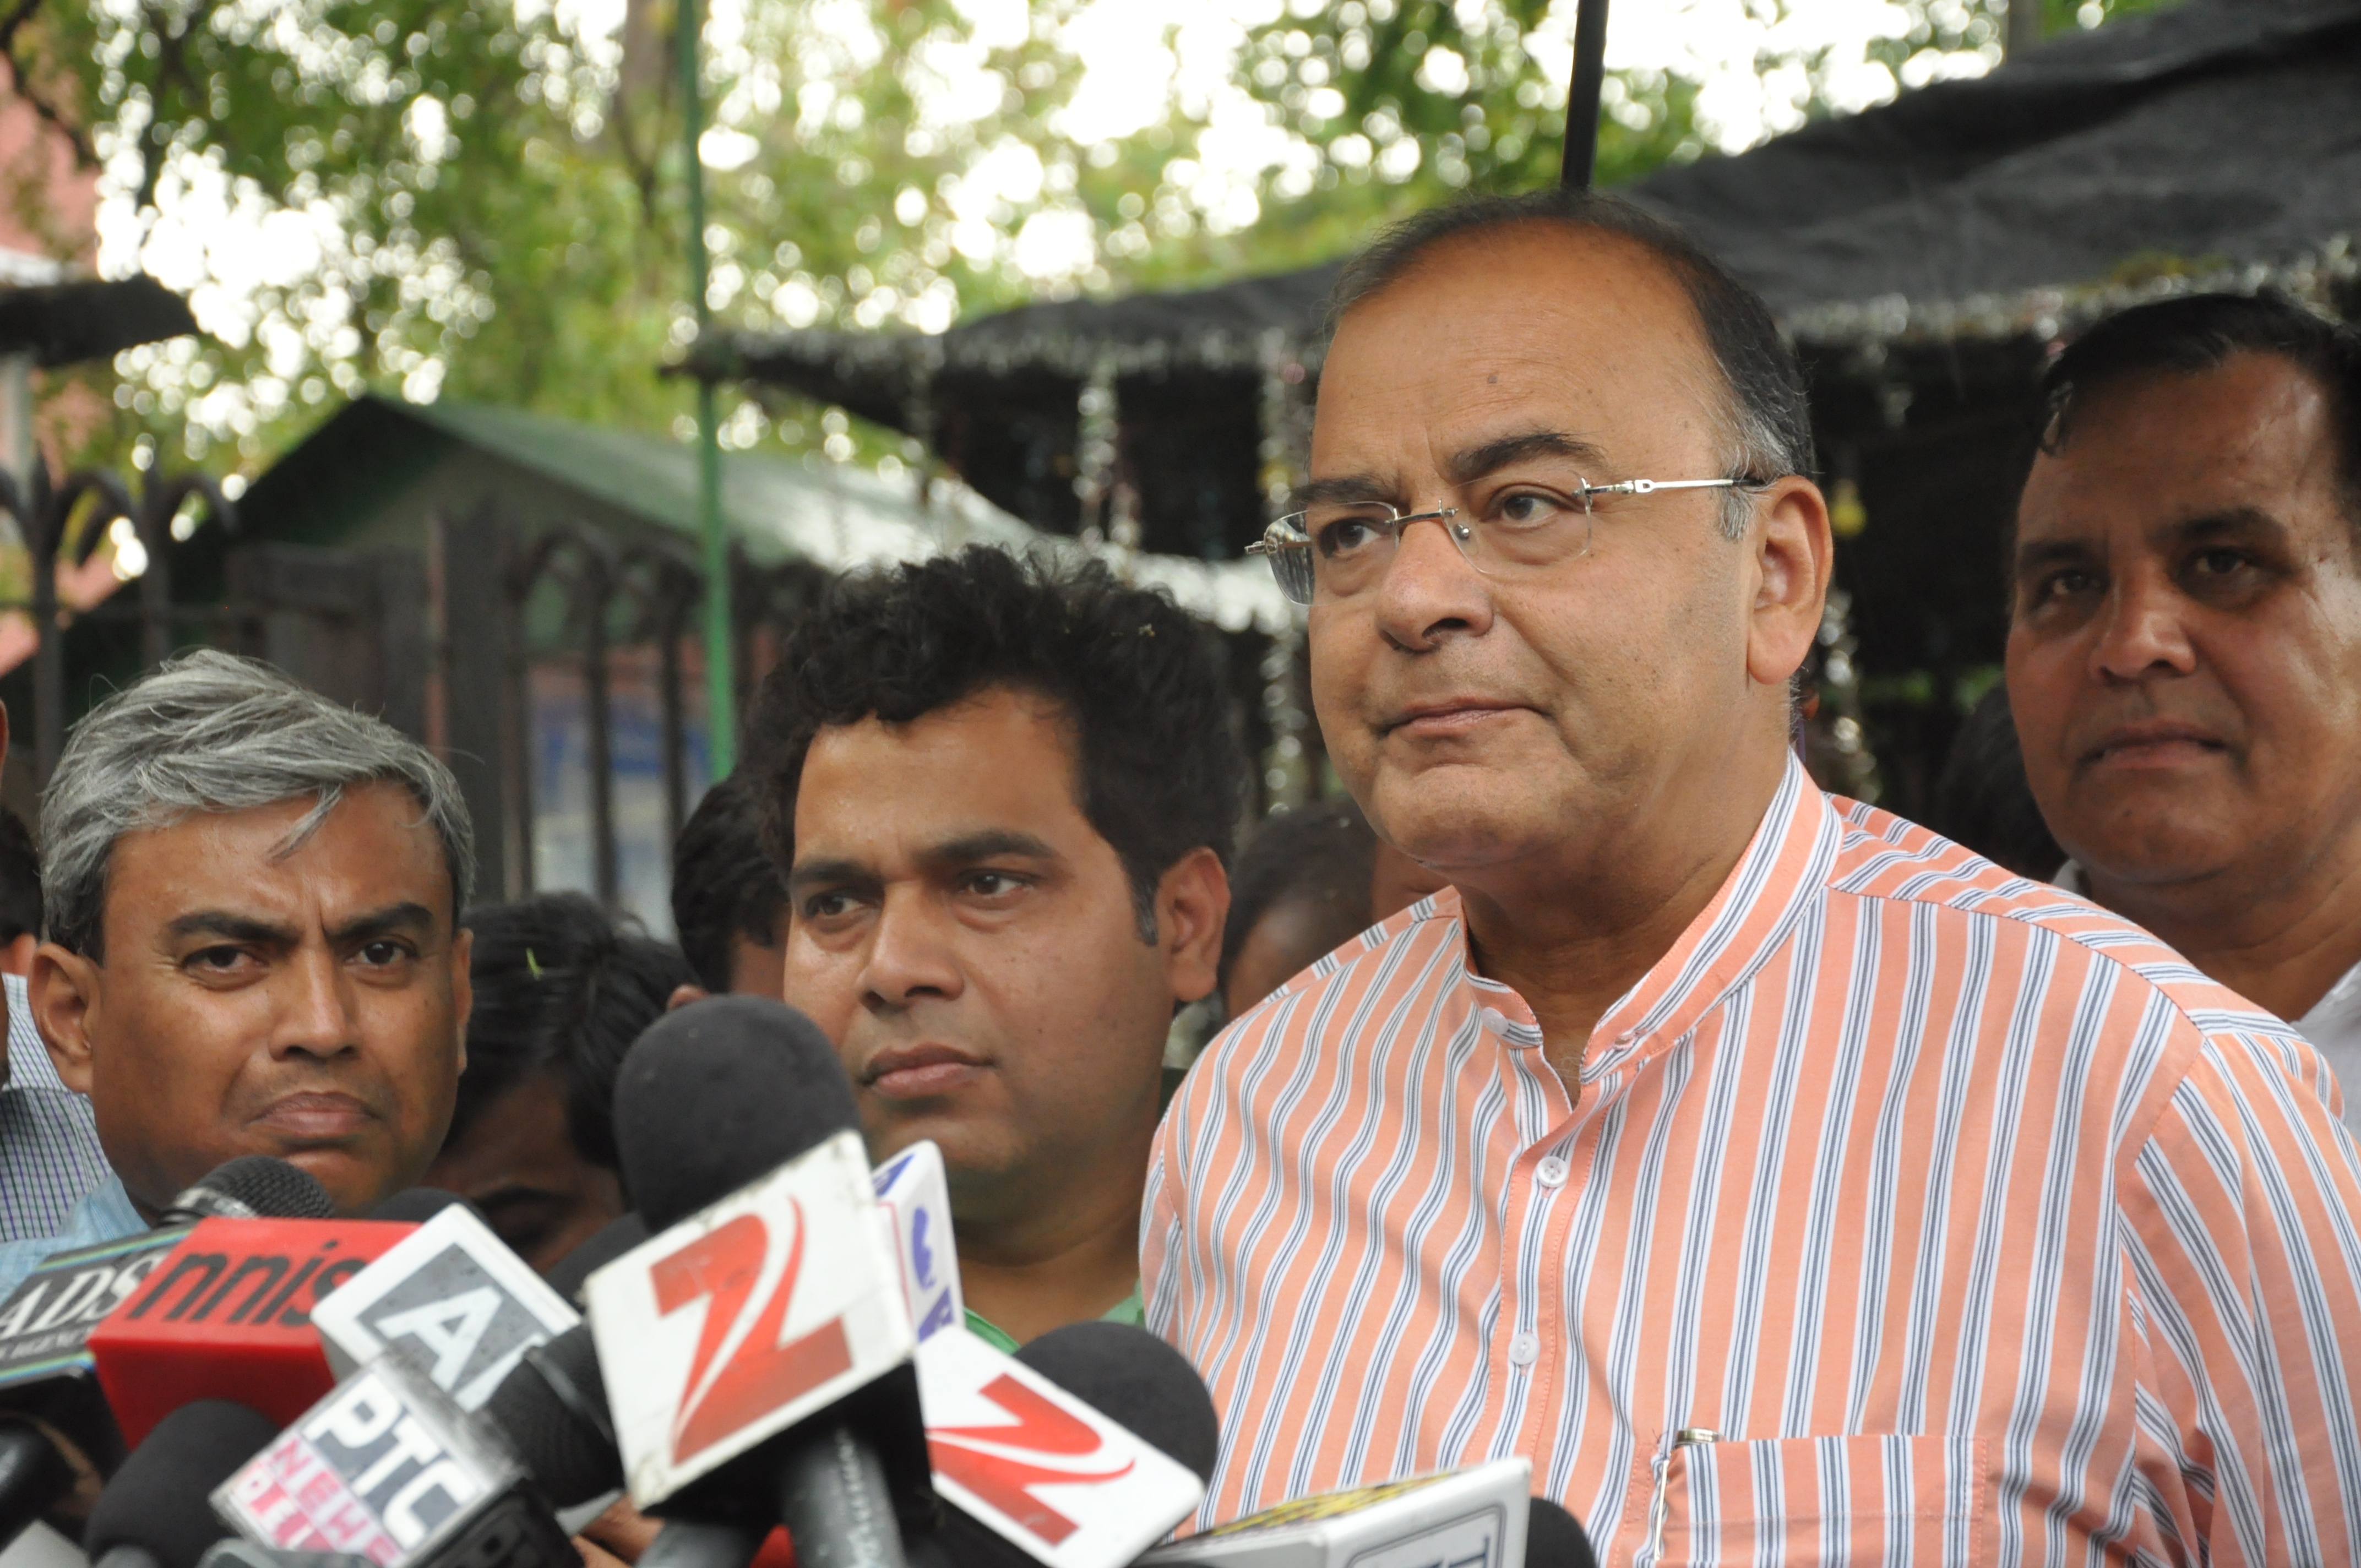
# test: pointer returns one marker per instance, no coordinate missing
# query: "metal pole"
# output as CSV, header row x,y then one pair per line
x,y
720,687
1582,95
2023,27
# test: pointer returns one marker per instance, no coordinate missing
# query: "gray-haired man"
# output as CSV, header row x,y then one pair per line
x,y
253,901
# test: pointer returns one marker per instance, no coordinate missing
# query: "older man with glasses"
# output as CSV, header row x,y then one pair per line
x,y
1786,1183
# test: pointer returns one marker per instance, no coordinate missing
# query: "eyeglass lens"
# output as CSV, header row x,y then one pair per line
x,y
1348,546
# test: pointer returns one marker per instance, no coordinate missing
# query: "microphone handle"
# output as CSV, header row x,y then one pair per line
x,y
835,1503
128,1555
686,1544
33,1476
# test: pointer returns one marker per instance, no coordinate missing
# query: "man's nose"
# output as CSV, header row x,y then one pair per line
x,y
2142,631
1431,589
316,1016
910,954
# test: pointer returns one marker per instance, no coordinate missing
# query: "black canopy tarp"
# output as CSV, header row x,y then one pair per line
x,y
1921,254
2217,136
66,324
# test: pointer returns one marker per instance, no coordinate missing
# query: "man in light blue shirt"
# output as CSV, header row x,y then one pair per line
x,y
48,1140
252,901
50,1155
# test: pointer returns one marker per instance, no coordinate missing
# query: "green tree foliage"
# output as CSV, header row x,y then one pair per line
x,y
1407,100
482,199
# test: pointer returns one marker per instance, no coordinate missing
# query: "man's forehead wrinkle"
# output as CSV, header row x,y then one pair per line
x,y
1356,487
230,923
985,843
813,869
1474,462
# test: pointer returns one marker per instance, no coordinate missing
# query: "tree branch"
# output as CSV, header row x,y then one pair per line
x,y
12,23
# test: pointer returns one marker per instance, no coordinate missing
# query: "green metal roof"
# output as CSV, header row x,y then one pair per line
x,y
379,466
778,506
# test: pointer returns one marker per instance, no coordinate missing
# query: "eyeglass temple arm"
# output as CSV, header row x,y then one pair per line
x,y
1643,486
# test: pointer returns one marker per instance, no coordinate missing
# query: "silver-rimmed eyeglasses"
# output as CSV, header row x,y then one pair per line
x,y
1333,551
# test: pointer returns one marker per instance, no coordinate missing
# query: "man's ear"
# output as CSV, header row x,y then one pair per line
x,y
682,996
1193,899
64,989
1794,554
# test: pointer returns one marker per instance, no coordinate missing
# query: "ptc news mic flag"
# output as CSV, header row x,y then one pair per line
x,y
387,1467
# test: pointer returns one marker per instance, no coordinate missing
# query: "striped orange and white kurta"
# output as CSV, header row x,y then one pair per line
x,y
1911,1212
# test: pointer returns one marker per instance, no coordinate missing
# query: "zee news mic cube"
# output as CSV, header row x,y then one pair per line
x,y
390,1468
726,1341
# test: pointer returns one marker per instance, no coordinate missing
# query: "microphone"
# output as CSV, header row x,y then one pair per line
x,y
453,1290
1130,1375
389,1467
55,1426
601,1247
553,1411
155,1513
1081,1451
917,1193
237,1553
1555,1539
227,1316
1473,1517
253,1187
756,1350
553,1407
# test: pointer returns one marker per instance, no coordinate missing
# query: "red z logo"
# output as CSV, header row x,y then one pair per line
x,y
759,1374
1004,1482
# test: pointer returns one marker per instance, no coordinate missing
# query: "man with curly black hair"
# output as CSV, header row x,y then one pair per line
x,y
1003,793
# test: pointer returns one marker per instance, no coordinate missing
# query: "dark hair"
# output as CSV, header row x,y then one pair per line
x,y
20,879
1981,799
562,987
2194,334
1158,768
723,887
1770,421
1323,856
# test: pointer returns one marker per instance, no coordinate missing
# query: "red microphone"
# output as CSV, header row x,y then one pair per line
x,y
227,1315
54,1420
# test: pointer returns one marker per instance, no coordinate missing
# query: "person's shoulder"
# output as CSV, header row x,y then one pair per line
x,y
1411,938
1887,858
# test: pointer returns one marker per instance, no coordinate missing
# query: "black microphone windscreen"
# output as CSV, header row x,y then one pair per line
x,y
254,1187
159,1500
718,1094
1138,1381
547,1409
1555,1539
601,1247
416,1205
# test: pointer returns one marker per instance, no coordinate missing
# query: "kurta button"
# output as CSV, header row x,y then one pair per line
x,y
1552,1172
1524,1350
1627,1037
